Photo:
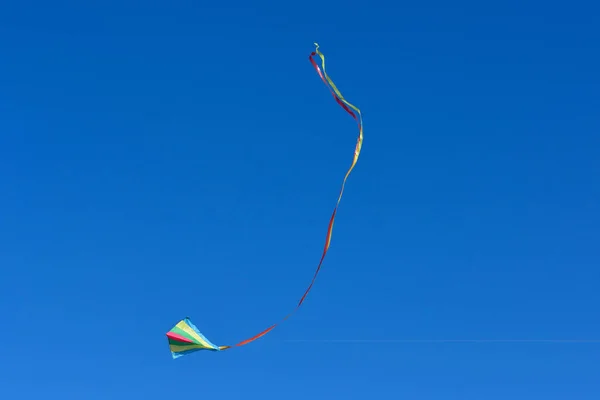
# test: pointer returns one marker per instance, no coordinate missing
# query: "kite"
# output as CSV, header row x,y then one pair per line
x,y
185,338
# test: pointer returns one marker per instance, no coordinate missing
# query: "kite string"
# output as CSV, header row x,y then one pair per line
x,y
443,341
347,107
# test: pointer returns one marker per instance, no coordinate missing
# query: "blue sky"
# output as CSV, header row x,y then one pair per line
x,y
181,158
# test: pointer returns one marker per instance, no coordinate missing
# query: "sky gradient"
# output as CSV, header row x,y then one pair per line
x,y
172,159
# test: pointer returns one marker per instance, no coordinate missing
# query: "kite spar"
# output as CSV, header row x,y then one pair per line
x,y
184,338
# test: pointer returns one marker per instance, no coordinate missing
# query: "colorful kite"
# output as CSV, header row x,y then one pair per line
x,y
185,338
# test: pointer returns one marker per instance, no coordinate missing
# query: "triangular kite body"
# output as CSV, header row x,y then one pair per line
x,y
185,338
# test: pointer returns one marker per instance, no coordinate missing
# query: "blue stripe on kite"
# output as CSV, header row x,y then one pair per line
x,y
187,321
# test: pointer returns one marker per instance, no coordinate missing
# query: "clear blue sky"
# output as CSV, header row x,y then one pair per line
x,y
183,159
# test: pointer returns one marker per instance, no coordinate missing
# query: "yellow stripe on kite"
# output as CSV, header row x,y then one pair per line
x,y
184,327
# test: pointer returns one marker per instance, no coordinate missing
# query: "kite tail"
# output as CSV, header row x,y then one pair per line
x,y
356,114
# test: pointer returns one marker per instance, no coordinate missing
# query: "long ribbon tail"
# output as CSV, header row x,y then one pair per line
x,y
356,114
